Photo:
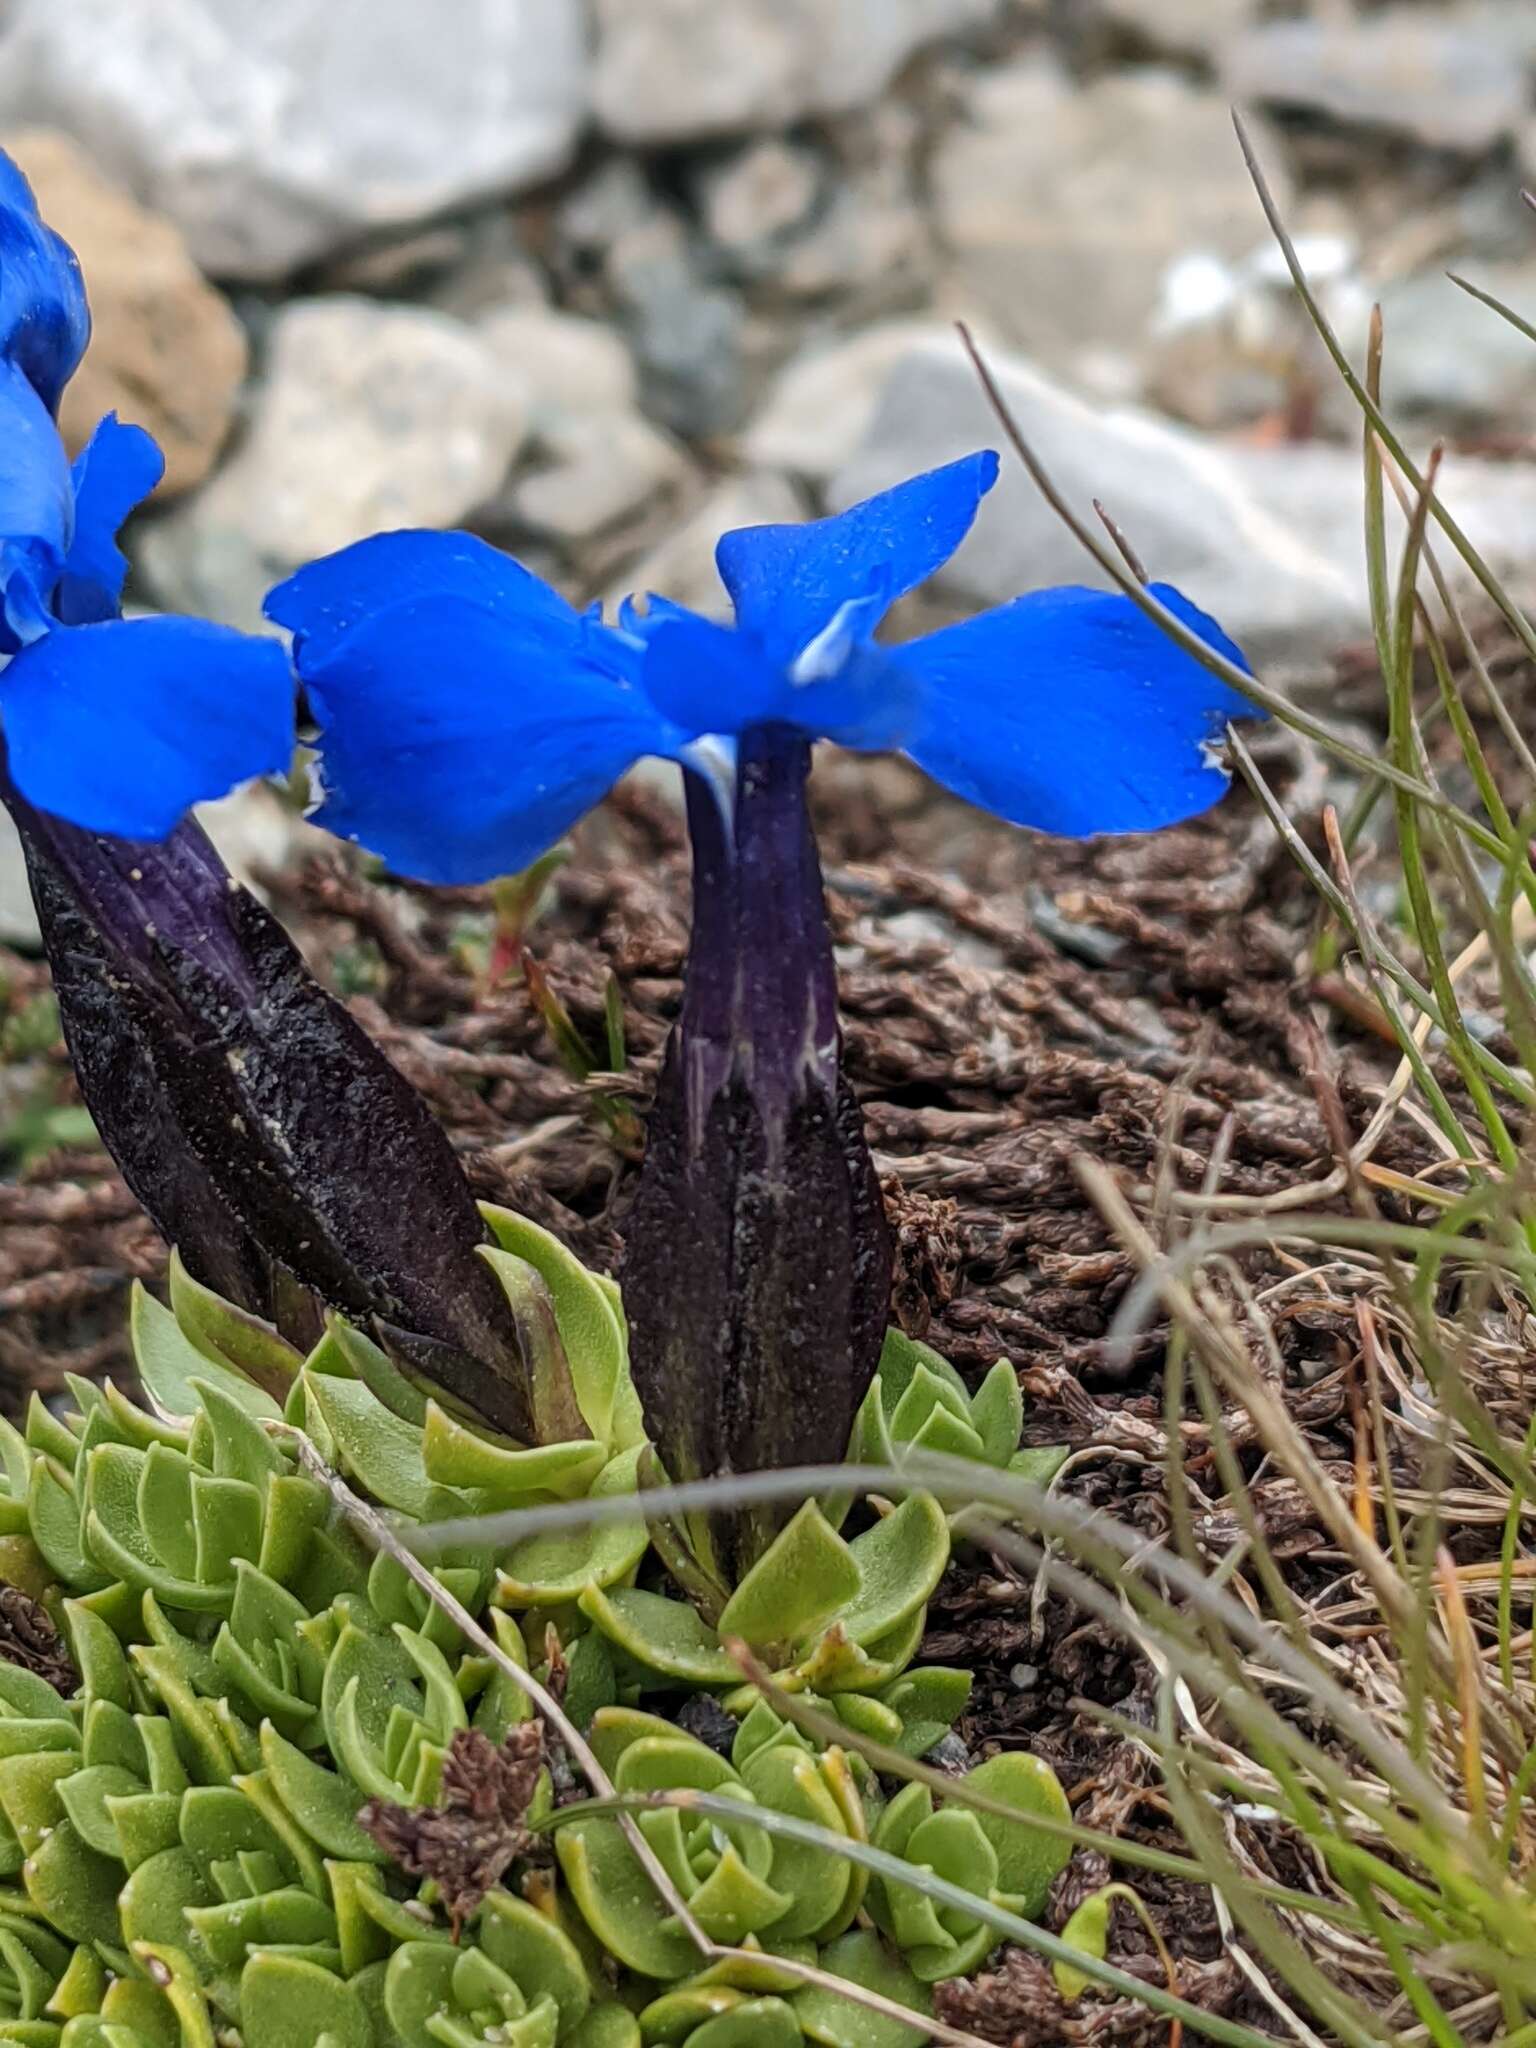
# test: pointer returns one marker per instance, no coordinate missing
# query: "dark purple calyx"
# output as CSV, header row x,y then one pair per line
x,y
267,1136
758,1262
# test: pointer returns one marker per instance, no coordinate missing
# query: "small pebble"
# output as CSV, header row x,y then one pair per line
x,y
949,1753
703,1717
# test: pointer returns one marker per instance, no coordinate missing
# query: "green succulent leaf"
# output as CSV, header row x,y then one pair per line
x,y
232,1335
1088,1932
717,2016
927,1702
662,1635
1002,1858
169,1361
606,2026
997,1412
1029,1859
286,2002
1039,1463
901,1560
323,1802
457,1454
805,1577
364,1360
73,1889
837,2022
551,1569
590,1324
901,1357
919,1403
53,1513
382,1451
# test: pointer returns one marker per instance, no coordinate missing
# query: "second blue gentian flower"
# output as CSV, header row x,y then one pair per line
x,y
117,725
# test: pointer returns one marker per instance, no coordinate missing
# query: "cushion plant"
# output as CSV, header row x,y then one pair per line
x,y
233,1809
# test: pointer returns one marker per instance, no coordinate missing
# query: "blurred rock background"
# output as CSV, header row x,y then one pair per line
x,y
599,278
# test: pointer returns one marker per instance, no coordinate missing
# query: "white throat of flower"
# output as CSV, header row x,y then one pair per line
x,y
829,653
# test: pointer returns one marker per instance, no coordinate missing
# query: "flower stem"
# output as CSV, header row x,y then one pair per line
x,y
757,1268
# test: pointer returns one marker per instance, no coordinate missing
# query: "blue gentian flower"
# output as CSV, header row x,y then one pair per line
x,y
44,320
117,725
469,715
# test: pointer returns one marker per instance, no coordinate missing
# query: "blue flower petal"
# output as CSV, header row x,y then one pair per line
x,y
459,743
789,582
119,727
44,320
15,192
37,499
1070,711
115,471
37,510
705,678
640,625
326,599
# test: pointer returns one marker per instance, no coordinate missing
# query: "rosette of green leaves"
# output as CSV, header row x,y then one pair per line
x,y
1003,1859
832,1616
918,1403
247,1679
520,1981
574,1332
407,1443
741,1884
153,1840
731,2005
414,1450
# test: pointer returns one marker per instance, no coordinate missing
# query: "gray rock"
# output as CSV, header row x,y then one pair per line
x,y
1458,364
18,919
758,196
1174,28
605,471
846,221
686,329
166,349
495,270
275,133
818,409
597,462
1267,539
688,334
1233,346
869,243
1452,83
1315,490
568,367
683,566
370,417
1063,208
609,204
671,70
